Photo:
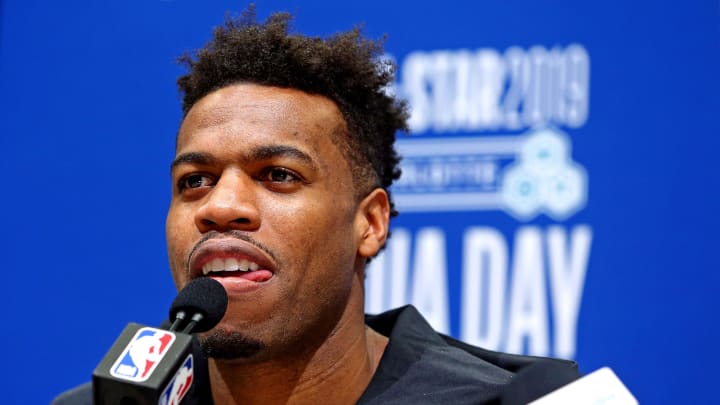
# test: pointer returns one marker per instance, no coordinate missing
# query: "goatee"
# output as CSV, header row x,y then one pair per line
x,y
221,344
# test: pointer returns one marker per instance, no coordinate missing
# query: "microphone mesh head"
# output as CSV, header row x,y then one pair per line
x,y
205,296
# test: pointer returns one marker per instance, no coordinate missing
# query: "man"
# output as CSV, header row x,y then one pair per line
x,y
280,181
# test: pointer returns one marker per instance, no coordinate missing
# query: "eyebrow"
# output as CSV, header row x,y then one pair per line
x,y
274,151
197,158
260,153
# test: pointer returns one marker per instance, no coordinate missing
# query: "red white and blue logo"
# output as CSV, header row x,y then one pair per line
x,y
179,385
142,355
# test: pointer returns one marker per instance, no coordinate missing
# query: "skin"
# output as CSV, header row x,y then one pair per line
x,y
258,175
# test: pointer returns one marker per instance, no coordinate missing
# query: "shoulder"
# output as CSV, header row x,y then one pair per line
x,y
421,366
80,395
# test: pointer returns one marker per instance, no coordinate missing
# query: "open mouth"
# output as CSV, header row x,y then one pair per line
x,y
233,268
237,264
229,265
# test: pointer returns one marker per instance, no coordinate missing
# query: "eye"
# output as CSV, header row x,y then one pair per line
x,y
280,175
192,181
281,179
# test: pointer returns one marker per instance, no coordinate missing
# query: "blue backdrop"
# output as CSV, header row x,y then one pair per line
x,y
560,195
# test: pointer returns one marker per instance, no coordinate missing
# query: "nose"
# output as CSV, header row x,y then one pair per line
x,y
230,205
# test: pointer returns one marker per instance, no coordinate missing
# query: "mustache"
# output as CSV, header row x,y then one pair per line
x,y
229,234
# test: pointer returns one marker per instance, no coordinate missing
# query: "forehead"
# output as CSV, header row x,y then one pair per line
x,y
252,113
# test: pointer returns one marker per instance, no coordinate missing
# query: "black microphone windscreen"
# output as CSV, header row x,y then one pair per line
x,y
205,296
538,380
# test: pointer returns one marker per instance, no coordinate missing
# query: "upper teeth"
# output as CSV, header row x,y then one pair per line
x,y
229,264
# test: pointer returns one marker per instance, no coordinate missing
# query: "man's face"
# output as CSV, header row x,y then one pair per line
x,y
260,184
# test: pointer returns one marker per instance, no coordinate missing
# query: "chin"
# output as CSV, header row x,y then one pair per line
x,y
223,344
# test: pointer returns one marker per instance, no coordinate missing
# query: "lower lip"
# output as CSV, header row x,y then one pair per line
x,y
244,282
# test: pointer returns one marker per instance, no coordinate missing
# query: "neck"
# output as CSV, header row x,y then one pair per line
x,y
337,371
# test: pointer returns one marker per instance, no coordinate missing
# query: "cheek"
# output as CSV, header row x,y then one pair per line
x,y
311,233
176,245
311,220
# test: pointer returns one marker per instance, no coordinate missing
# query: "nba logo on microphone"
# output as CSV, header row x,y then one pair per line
x,y
142,355
179,385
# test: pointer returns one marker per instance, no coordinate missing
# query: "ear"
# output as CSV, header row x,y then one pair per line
x,y
372,222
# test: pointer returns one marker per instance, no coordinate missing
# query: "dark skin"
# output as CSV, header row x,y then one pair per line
x,y
259,178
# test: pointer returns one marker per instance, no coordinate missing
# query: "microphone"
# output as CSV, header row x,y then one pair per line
x,y
205,299
154,366
548,383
